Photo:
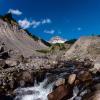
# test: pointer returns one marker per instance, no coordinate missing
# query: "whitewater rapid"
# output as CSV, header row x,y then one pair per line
x,y
38,92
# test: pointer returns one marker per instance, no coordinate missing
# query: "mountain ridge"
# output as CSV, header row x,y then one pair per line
x,y
18,39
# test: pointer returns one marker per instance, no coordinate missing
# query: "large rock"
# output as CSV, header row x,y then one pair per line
x,y
71,79
59,82
59,93
26,78
96,67
11,62
85,76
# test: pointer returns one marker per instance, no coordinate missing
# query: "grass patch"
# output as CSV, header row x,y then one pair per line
x,y
45,51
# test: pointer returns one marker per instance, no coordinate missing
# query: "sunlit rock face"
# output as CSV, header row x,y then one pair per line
x,y
57,39
18,39
85,47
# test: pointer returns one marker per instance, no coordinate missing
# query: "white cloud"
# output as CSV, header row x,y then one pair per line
x,y
46,21
15,11
49,31
79,28
35,24
59,32
24,23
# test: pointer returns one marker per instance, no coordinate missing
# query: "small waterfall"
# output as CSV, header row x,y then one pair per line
x,y
38,92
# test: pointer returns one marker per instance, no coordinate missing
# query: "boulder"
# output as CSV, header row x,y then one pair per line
x,y
22,83
96,68
59,93
26,77
71,78
11,62
85,76
59,82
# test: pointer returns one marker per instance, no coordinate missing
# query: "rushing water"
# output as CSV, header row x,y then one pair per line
x,y
38,92
41,90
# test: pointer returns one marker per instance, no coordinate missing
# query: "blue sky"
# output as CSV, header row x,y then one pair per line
x,y
47,18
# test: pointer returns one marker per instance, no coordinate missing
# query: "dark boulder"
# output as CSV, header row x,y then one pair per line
x,y
59,93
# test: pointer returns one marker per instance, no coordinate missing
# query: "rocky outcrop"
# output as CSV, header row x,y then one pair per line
x,y
85,48
17,39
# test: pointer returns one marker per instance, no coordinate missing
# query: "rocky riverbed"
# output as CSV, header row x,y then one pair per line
x,y
65,80
46,78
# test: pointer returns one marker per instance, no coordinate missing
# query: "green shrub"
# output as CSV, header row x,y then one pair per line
x,y
71,41
43,51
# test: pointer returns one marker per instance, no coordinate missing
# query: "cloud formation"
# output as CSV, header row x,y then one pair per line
x,y
46,21
35,23
79,28
49,31
15,11
25,23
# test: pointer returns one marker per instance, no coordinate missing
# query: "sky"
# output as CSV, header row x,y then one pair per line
x,y
48,18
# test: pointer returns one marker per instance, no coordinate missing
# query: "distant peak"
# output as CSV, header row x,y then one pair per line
x,y
57,39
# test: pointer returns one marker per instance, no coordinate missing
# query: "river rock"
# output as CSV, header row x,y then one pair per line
x,y
59,93
71,79
59,82
96,67
22,83
85,76
27,77
11,62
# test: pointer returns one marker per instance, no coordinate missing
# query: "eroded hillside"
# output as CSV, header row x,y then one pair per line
x,y
85,47
18,39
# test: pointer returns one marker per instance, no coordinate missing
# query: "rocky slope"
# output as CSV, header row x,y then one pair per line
x,y
18,39
85,47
